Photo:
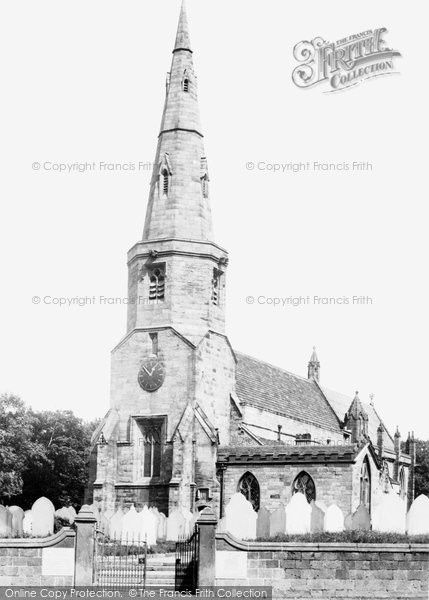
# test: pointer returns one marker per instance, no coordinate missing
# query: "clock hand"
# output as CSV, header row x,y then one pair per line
x,y
144,369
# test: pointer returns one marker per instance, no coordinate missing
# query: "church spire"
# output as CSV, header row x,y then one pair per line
x,y
314,366
178,205
183,41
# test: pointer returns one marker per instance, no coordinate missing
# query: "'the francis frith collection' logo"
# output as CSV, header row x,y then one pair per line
x,y
344,63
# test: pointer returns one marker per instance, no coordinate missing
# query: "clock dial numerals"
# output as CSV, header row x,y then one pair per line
x,y
151,375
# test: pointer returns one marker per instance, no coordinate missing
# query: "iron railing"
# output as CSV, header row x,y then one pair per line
x,y
119,562
187,558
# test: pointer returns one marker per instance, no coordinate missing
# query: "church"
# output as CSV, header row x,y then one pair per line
x,y
192,421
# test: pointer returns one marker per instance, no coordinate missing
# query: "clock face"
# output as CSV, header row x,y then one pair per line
x,y
151,375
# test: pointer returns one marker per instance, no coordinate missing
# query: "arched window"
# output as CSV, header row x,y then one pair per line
x,y
402,484
157,284
249,487
365,484
305,484
186,85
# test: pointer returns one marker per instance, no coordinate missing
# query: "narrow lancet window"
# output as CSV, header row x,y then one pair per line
x,y
216,287
157,284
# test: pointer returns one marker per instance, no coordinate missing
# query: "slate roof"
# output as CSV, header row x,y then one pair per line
x,y
341,404
270,388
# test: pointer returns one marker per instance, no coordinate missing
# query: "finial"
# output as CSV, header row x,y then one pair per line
x,y
371,397
397,434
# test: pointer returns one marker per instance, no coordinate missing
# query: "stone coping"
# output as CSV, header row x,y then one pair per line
x,y
318,546
52,540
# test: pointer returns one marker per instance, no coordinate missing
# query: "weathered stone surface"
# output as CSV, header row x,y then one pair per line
x,y
278,521
317,518
361,519
263,523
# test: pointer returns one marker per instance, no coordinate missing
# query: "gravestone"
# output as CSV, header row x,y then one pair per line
x,y
115,524
5,521
17,519
263,523
390,514
361,519
175,525
418,516
221,526
64,513
240,518
149,526
298,515
43,512
317,518
132,525
188,516
72,513
95,510
348,522
278,521
27,523
334,519
162,527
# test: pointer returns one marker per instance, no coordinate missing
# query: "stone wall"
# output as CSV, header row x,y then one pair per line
x,y
46,561
326,571
333,483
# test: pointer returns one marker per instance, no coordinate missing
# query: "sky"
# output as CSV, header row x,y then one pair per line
x,y
85,85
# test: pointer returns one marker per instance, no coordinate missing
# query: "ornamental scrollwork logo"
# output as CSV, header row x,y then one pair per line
x,y
344,63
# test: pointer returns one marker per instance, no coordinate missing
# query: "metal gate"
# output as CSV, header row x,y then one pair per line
x,y
119,562
187,562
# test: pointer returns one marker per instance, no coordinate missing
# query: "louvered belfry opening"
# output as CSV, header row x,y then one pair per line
x,y
157,284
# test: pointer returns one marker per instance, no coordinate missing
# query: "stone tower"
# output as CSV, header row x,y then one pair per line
x,y
174,371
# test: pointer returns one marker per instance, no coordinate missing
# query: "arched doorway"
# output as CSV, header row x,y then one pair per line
x,y
249,487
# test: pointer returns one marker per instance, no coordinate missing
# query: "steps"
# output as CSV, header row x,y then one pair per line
x,y
160,570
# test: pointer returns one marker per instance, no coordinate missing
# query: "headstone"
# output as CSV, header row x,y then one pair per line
x,y
132,526
389,515
317,518
5,521
64,513
17,519
72,513
334,519
162,527
278,521
188,516
361,519
43,517
418,516
221,526
115,525
27,524
149,526
263,523
240,518
175,525
348,522
298,515
95,510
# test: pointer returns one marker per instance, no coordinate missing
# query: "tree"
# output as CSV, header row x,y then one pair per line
x,y
422,468
17,447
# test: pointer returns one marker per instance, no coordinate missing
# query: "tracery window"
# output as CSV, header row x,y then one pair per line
x,y
249,487
365,484
157,284
305,484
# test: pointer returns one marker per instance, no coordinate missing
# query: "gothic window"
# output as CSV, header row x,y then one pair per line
x,y
402,484
216,287
305,484
365,484
157,284
152,447
186,85
249,487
